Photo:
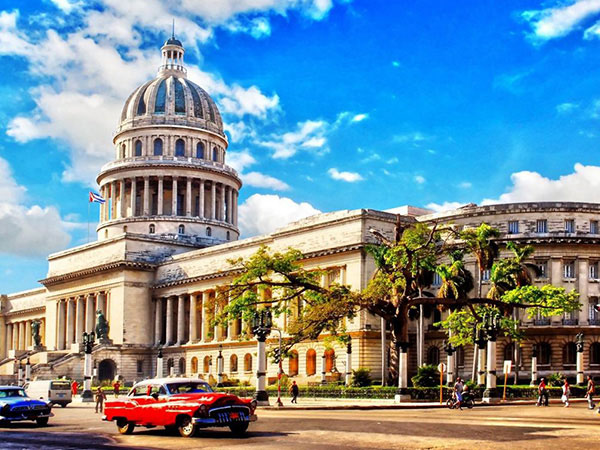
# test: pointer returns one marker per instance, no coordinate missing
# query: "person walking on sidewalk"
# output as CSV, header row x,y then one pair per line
x,y
294,391
543,393
458,390
100,397
566,392
116,387
589,393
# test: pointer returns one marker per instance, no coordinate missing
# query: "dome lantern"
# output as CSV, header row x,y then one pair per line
x,y
172,57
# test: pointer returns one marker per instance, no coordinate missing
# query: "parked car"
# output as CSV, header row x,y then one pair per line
x,y
15,406
57,392
183,404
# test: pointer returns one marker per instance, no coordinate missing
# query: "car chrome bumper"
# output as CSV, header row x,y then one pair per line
x,y
213,421
22,417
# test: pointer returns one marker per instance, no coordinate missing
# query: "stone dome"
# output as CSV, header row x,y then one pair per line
x,y
171,98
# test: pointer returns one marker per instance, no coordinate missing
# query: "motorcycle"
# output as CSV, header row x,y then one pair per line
x,y
468,401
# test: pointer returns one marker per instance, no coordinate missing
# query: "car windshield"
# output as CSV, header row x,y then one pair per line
x,y
188,387
4,393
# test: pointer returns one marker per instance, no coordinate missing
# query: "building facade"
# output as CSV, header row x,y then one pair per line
x,y
169,226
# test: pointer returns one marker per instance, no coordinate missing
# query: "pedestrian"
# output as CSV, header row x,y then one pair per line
x,y
100,397
458,390
543,393
566,389
74,387
116,387
589,393
294,390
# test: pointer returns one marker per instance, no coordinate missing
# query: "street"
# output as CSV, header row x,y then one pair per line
x,y
504,427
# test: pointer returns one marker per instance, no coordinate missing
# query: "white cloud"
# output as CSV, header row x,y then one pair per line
x,y
392,160
262,214
26,230
420,179
592,32
415,138
560,20
65,5
260,180
242,101
309,135
566,108
240,160
350,177
465,185
446,206
360,117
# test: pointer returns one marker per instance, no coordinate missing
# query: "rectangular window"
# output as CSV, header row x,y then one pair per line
x,y
593,227
485,276
437,280
569,269
569,226
541,226
513,227
140,366
594,271
593,314
542,269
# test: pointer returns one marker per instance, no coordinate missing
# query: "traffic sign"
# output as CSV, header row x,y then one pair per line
x,y
441,367
507,366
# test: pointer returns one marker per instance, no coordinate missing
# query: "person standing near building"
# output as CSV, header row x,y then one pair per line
x,y
589,393
116,387
566,392
74,388
100,397
543,393
458,390
294,390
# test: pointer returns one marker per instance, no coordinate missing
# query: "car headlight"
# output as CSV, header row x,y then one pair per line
x,y
253,405
5,408
203,411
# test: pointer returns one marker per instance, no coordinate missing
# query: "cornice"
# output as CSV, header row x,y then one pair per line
x,y
132,265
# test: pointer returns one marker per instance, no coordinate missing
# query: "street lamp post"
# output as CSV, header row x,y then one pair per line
x,y
491,327
159,364
579,343
220,367
88,344
480,342
279,361
261,328
20,373
349,364
28,370
450,362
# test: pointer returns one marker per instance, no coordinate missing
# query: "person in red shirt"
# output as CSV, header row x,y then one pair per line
x,y
543,393
116,387
74,387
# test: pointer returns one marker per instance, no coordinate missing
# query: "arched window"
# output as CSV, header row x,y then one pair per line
x,y
569,354
170,365
158,147
329,360
433,356
215,155
208,231
595,353
247,362
179,147
151,229
544,353
138,148
199,150
181,366
206,364
233,363
161,98
181,229
194,365
228,235
311,362
122,151
179,98
293,363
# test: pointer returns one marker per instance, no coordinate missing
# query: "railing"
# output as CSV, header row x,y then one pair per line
x,y
169,159
541,322
570,321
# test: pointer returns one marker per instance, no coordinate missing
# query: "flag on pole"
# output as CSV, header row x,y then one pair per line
x,y
96,198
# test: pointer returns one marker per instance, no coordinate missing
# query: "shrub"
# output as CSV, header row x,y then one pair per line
x,y
555,379
361,377
427,376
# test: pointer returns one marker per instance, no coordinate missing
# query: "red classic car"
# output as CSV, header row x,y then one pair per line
x,y
183,404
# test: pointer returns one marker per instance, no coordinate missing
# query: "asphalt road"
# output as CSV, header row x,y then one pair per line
x,y
503,427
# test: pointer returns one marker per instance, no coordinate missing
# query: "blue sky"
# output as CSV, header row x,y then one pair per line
x,y
329,105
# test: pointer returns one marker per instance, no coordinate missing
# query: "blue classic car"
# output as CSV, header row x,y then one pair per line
x,y
16,406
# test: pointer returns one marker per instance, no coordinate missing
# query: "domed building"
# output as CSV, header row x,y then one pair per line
x,y
169,176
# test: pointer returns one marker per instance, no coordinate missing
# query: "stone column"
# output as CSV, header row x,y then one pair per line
x,y
102,205
170,337
213,201
133,197
481,365
235,207
583,274
174,199
201,199
449,367
158,321
402,395
261,373
146,196
28,334
161,193
534,372
227,204
70,304
9,336
490,394
193,318
205,316
22,335
222,206
80,326
90,314
580,366
60,325
188,197
102,303
15,336
123,203
181,319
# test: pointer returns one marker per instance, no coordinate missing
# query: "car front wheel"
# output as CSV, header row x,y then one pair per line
x,y
125,427
187,428
42,421
239,428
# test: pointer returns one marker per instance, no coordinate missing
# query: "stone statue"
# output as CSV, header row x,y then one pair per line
x,y
101,326
35,333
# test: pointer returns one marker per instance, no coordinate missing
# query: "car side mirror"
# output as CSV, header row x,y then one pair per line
x,y
154,395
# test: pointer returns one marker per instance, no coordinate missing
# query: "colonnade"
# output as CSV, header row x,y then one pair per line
x,y
18,334
185,318
185,196
74,315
